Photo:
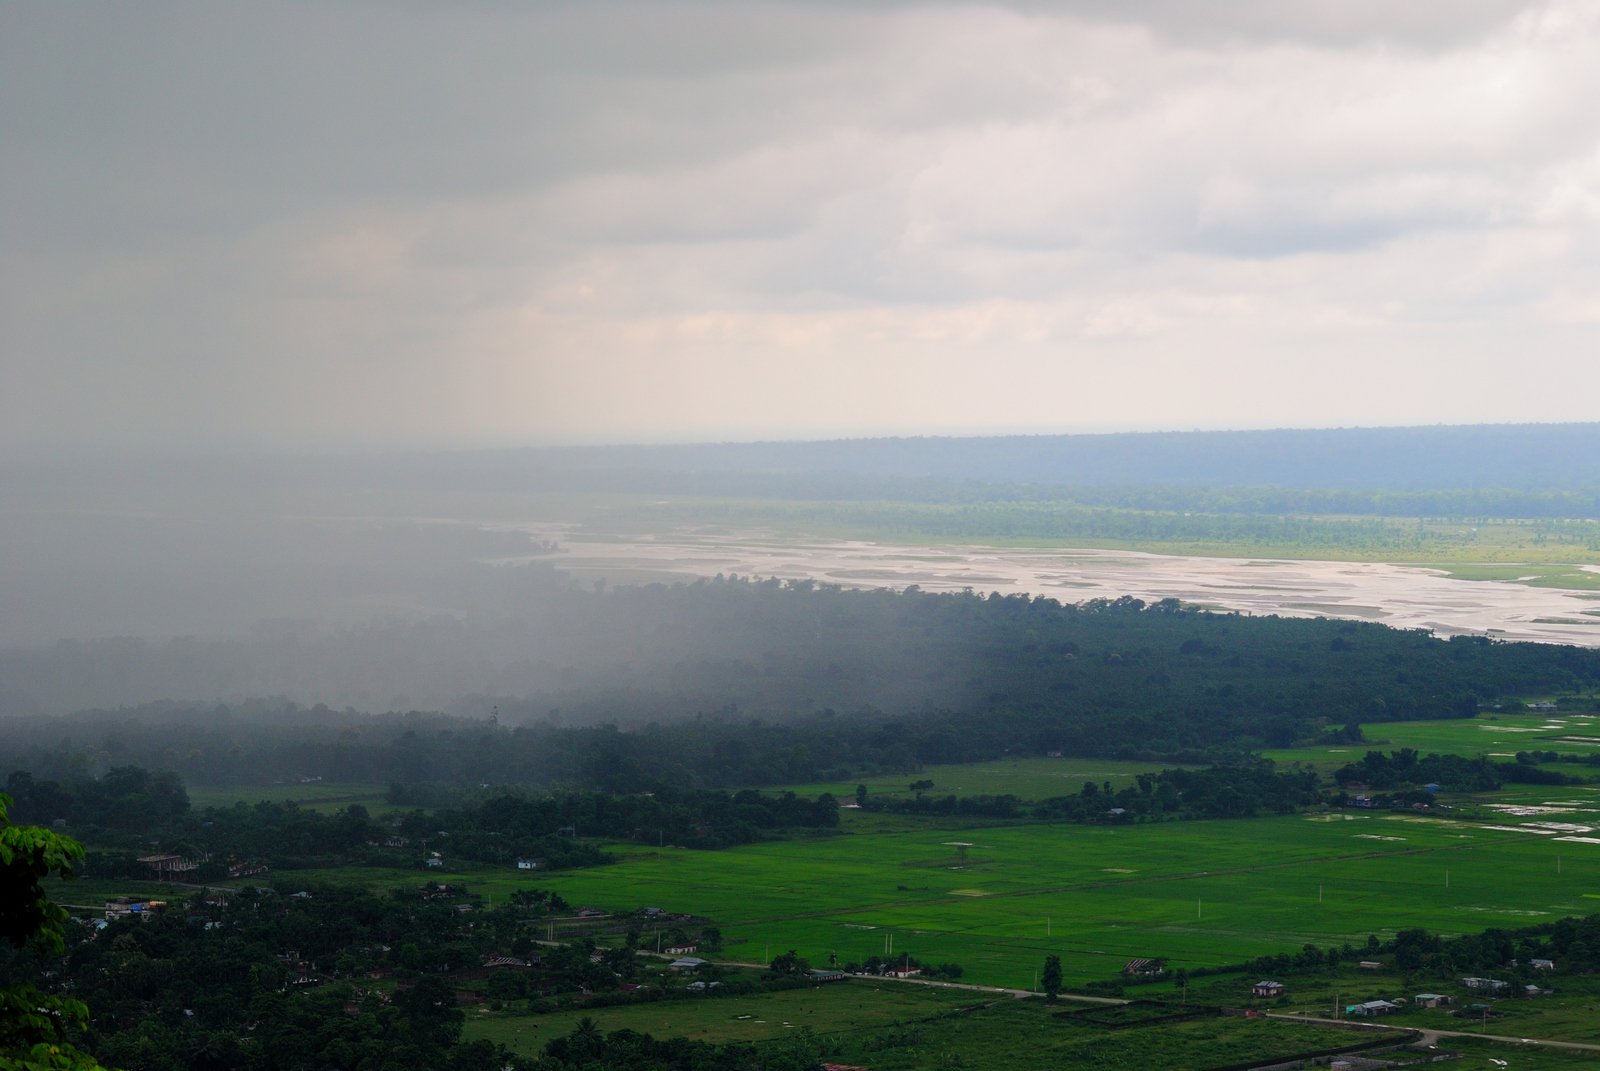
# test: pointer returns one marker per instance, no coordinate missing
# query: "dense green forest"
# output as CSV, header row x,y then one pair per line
x,y
735,682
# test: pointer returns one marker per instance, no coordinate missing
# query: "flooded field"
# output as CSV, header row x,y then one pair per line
x,y
1401,596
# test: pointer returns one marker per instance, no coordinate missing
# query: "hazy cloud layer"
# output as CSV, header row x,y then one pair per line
x,y
311,224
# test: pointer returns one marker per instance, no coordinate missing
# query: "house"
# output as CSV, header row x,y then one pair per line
x,y
682,950
1371,1008
687,963
123,907
1535,991
1493,985
1432,1000
901,972
1267,989
164,866
525,863
822,977
1370,965
435,863
1542,964
1543,707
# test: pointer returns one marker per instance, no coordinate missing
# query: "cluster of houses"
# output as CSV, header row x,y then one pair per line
x,y
1271,990
122,907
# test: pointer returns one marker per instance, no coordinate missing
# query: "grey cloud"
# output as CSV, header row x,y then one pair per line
x,y
367,220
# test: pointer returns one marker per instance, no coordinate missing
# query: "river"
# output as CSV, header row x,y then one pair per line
x,y
1399,595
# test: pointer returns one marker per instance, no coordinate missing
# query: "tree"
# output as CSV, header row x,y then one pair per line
x,y
34,1026
789,963
1051,978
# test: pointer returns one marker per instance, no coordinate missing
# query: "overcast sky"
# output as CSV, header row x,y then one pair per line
x,y
357,224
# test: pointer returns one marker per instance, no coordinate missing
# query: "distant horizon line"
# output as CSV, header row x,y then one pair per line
x,y
241,451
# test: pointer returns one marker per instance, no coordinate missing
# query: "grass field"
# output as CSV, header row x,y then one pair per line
x,y
853,1005
1476,1053
1029,779
1022,1036
89,895
1500,735
1535,574
312,796
1200,893
894,1027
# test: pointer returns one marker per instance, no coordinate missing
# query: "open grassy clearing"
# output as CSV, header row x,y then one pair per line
x,y
1570,1013
1477,1052
1536,574
853,1005
1026,1036
1500,735
89,895
905,1027
1029,779
1201,893
312,796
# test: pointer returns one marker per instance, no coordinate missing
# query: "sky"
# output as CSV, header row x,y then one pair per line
x,y
351,225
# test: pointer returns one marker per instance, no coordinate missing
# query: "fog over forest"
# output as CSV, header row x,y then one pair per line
x,y
388,582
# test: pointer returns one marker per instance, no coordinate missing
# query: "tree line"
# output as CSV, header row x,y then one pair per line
x,y
736,682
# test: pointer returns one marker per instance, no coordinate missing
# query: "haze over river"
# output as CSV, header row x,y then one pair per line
x,y
1397,595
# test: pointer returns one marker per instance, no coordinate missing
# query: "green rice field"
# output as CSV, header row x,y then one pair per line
x,y
1008,1035
1498,735
1029,779
854,1005
1198,893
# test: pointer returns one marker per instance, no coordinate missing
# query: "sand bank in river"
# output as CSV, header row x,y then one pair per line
x,y
1402,596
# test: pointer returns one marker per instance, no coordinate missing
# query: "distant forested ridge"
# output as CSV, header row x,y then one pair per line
x,y
730,682
1526,457
1461,470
